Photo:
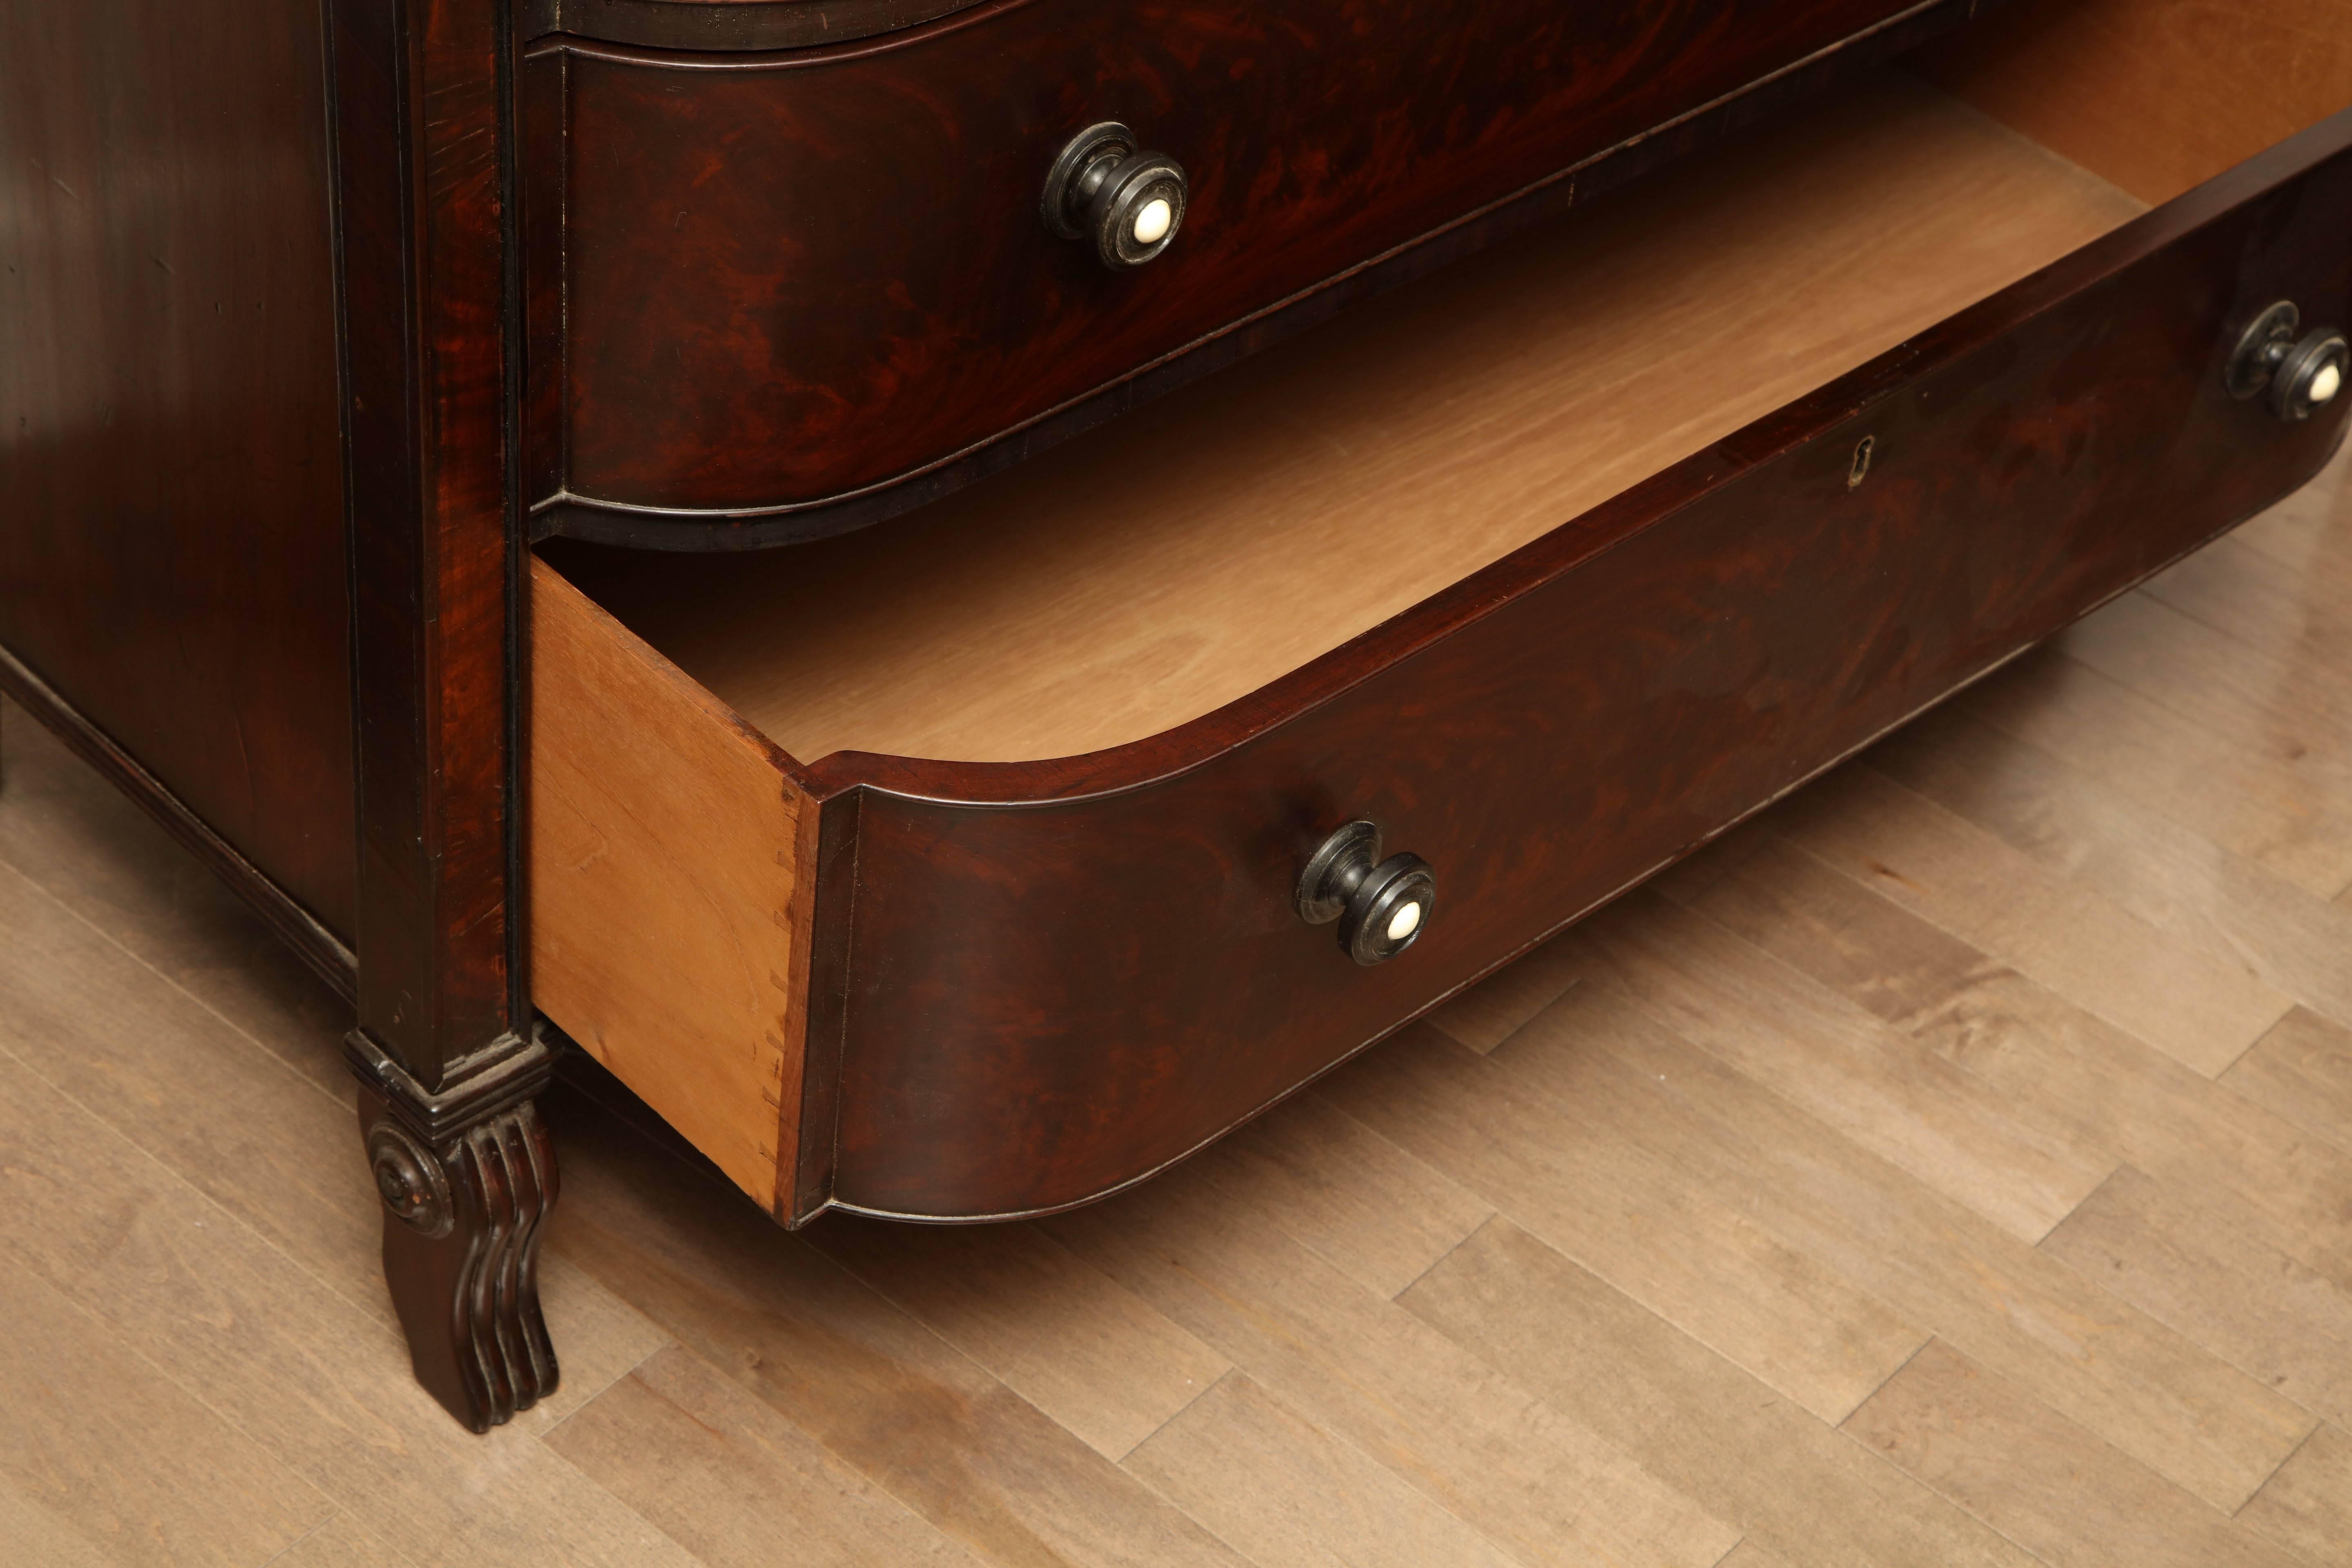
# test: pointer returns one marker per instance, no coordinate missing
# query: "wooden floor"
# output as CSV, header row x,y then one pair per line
x,y
1953,1167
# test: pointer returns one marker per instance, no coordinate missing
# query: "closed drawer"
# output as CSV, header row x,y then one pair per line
x,y
949,870
784,292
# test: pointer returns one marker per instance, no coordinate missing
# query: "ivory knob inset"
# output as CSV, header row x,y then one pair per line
x,y
1104,186
2302,375
1381,905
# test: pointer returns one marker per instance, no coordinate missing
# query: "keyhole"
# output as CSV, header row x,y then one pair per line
x,y
1860,468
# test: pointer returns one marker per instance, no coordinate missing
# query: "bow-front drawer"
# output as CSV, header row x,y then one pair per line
x,y
982,861
782,293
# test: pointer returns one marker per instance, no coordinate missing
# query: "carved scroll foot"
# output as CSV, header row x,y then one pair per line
x,y
465,1189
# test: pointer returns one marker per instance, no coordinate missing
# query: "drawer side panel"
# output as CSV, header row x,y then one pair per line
x,y
667,935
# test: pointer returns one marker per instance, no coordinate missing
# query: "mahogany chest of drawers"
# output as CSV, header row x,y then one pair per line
x,y
968,595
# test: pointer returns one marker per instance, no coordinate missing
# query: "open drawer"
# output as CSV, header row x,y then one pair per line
x,y
1553,568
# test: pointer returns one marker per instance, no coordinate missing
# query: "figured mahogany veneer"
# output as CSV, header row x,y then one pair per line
x,y
776,295
170,483
1608,576
1213,543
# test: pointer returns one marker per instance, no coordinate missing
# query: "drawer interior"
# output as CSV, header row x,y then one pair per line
x,y
1210,543
1191,552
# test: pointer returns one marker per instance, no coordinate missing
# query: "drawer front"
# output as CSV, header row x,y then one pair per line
x,y
1060,977
794,281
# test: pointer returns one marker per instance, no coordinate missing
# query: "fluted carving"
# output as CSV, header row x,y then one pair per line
x,y
462,1212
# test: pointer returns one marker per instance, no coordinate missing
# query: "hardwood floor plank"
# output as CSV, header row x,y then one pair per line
x,y
1355,1198
251,1132
323,1386
1791,1482
733,1481
1282,1490
1484,1016
1917,1109
2048,1056
2302,1070
1751,1553
41,1534
340,1542
2190,1265
2171,992
1582,1180
1361,1368
2263,808
1876,953
922,1422
2094,837
89,845
1687,879
2298,712
2307,1506
2312,522
2141,1385
2289,610
2040,1479
103,1458
1072,1342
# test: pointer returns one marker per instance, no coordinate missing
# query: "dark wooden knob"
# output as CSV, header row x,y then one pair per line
x,y
2302,375
1382,906
1105,188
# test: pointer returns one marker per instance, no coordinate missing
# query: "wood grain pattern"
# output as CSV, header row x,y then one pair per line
x,y
246,1126
665,843
236,1320
92,850
2204,1009
1560,1172
103,1461
2302,1070
1485,1446
174,562
2015,1463
2231,689
2262,805
2307,1506
724,354
2081,76
827,1413
2142,1386
2055,1064
2261,598
1282,1490
733,1480
1099,1362
1787,1480
992,1064
340,1542
2187,1262
2278,935
1932,1116
921,1420
1484,1014
1064,609
432,589
1357,1200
